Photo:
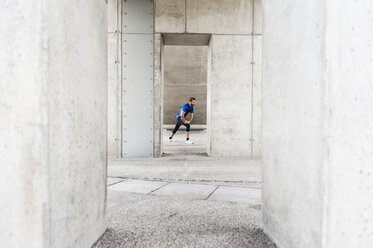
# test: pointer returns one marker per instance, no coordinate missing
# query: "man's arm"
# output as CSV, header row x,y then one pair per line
x,y
182,117
191,117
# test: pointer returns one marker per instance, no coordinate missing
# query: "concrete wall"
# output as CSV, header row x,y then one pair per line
x,y
185,75
53,110
294,145
350,183
236,21
77,77
23,132
235,121
317,185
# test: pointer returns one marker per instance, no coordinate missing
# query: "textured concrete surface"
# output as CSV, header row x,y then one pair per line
x,y
77,133
169,16
216,191
231,95
236,194
158,93
185,75
23,132
179,147
350,170
113,180
294,115
219,16
53,128
152,221
114,78
186,190
192,168
257,97
186,39
137,186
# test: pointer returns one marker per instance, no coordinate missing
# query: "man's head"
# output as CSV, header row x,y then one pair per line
x,y
192,100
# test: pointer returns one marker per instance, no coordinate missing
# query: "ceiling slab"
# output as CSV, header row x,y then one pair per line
x,y
186,39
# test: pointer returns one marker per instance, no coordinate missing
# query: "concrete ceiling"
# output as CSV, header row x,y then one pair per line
x,y
186,39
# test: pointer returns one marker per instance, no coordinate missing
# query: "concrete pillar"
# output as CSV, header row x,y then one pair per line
x,y
317,123
53,107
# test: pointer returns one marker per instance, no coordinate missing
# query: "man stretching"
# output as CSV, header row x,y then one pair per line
x,y
185,110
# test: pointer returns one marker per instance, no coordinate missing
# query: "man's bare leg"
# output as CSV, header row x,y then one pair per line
x,y
187,135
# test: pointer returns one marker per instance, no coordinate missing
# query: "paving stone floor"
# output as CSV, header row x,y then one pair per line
x,y
187,190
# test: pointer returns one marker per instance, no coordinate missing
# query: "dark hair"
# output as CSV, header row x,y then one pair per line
x,y
192,98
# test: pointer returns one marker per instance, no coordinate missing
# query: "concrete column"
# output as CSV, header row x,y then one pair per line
x,y
53,137
114,79
317,123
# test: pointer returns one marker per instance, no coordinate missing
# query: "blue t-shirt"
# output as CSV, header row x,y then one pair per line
x,y
187,109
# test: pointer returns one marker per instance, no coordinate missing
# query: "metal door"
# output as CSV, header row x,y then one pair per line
x,y
137,73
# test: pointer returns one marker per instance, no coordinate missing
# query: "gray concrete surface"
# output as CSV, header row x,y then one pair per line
x,y
293,120
179,147
113,180
138,186
231,96
185,75
186,39
317,123
236,194
194,168
53,123
186,190
190,190
136,220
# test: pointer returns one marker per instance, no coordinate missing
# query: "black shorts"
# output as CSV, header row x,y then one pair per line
x,y
178,124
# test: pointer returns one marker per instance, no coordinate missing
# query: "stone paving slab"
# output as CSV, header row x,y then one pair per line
x,y
186,190
113,180
137,186
237,194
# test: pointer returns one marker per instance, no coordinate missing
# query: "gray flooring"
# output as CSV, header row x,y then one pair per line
x,y
143,220
184,199
199,137
193,191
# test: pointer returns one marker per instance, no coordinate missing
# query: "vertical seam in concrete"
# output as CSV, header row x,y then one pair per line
x,y
119,79
252,82
154,153
185,16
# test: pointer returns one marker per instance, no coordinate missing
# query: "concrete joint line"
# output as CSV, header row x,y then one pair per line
x,y
116,182
158,188
212,192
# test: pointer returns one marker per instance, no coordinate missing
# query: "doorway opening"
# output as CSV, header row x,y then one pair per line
x,y
185,74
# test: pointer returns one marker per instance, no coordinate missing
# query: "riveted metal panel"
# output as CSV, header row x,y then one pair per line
x,y
138,16
137,80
